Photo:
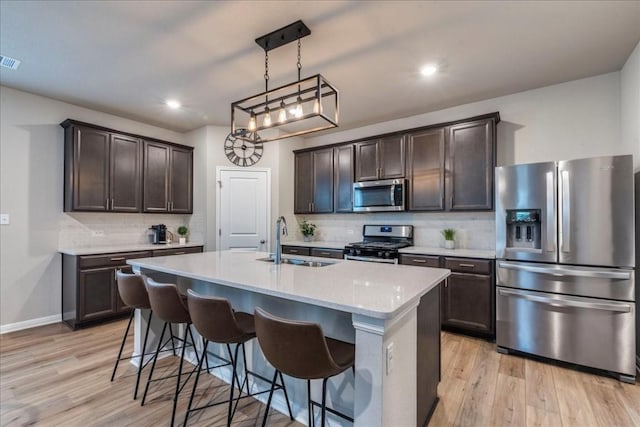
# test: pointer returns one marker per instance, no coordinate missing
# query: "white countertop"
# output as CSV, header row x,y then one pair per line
x,y
371,289
468,253
326,245
107,249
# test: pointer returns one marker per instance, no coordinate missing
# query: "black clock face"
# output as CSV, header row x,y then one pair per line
x,y
243,147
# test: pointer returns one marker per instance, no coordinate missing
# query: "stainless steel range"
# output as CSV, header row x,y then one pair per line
x,y
380,243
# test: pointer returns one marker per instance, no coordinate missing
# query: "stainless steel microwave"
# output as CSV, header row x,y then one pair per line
x,y
379,196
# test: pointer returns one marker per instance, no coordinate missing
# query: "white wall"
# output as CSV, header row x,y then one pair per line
x,y
31,191
630,104
576,119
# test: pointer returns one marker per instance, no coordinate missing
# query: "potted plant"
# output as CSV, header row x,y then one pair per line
x,y
307,229
449,237
182,231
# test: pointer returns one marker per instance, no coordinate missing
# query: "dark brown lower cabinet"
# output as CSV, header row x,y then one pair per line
x,y
89,287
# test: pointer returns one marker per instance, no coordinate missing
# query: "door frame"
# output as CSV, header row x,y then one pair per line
x,y
219,170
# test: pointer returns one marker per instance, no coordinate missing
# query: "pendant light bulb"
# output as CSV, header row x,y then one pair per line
x,y
252,122
267,118
282,115
299,111
317,106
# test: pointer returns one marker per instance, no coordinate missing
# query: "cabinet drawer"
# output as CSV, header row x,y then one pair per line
x,y
177,251
296,250
110,260
327,253
420,260
467,265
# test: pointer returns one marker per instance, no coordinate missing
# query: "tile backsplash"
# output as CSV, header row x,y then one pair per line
x,y
83,229
473,230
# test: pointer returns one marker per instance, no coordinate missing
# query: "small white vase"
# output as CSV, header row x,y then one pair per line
x,y
307,238
449,244
183,240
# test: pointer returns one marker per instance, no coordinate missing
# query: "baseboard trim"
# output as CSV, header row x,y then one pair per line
x,y
32,323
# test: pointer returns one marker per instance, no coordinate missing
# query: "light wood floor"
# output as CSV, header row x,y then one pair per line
x,y
52,376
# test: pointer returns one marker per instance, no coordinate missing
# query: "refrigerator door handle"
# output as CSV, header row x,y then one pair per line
x,y
621,308
550,228
565,213
560,271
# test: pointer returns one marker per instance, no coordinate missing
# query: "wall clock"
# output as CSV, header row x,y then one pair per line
x,y
243,147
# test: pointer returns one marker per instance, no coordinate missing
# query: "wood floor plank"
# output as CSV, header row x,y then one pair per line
x,y
608,408
509,402
569,390
540,389
512,365
462,363
537,417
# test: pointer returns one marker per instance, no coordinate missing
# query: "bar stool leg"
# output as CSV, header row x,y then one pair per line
x,y
205,343
173,344
266,412
324,400
231,410
153,365
309,405
286,396
144,350
195,384
175,396
124,339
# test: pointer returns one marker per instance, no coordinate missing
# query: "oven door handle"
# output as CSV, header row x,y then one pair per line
x,y
559,271
366,259
621,308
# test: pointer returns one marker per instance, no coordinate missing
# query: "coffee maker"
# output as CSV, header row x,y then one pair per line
x,y
158,234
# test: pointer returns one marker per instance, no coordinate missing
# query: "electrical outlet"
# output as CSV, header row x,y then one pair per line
x,y
97,233
350,232
4,219
389,358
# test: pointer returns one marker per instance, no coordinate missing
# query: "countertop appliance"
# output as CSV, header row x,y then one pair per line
x,y
158,234
565,268
379,196
380,243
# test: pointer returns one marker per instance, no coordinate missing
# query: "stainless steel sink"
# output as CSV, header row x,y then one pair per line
x,y
297,261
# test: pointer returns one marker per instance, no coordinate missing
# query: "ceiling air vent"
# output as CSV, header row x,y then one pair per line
x,y
9,62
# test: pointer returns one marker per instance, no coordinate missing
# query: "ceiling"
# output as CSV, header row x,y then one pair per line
x,y
128,57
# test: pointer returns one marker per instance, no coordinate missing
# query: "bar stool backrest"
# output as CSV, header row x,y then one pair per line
x,y
132,290
296,348
213,318
166,302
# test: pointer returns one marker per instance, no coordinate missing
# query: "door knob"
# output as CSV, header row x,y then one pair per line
x,y
262,242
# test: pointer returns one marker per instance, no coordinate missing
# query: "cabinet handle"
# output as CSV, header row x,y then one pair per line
x,y
118,259
446,283
112,204
179,253
450,202
420,261
309,206
293,251
107,201
467,265
325,253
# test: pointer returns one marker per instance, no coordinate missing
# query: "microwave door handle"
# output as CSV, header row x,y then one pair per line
x,y
550,226
565,231
391,198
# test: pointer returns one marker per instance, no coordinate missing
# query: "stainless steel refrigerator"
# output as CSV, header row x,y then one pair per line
x,y
566,258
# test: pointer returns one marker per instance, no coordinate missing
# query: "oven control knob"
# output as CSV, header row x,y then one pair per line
x,y
387,254
380,254
358,252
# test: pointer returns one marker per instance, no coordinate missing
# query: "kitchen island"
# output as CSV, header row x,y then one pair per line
x,y
390,312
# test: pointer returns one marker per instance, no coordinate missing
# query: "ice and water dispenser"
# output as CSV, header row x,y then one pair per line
x,y
524,229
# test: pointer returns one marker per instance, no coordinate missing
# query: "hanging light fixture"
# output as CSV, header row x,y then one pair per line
x,y
312,102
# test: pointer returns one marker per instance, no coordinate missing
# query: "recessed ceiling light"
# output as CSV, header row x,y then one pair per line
x,y
173,104
429,70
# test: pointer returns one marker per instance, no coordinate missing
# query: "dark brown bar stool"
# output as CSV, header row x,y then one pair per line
x,y
216,321
300,350
134,294
169,306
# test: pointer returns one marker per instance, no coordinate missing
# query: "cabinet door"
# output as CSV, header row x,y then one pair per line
x,y
125,174
367,163
156,177
303,183
343,178
96,294
181,180
322,181
467,302
392,157
425,170
470,166
90,170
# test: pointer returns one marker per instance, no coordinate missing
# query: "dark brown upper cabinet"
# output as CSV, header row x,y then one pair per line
x,y
102,170
343,178
382,158
168,178
469,165
313,185
425,170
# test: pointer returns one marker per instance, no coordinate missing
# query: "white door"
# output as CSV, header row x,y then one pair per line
x,y
244,198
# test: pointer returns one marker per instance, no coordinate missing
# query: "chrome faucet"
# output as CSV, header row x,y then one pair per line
x,y
281,222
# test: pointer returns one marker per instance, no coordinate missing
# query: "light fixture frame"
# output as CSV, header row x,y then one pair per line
x,y
311,89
